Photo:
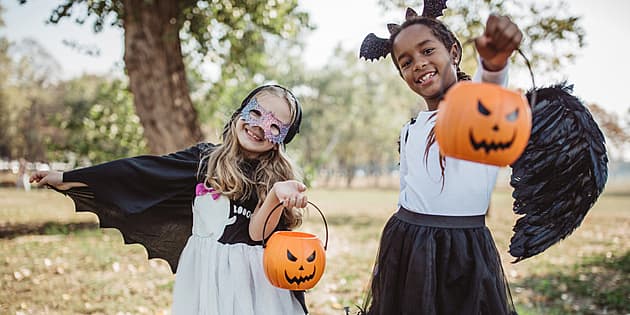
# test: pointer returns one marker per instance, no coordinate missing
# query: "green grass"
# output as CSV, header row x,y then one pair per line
x,y
596,284
53,261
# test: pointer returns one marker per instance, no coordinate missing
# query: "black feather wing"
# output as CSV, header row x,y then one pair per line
x,y
560,174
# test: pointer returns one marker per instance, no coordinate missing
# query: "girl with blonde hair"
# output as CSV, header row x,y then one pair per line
x,y
203,209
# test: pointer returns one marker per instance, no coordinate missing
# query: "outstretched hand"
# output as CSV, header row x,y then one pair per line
x,y
500,39
291,194
42,178
51,178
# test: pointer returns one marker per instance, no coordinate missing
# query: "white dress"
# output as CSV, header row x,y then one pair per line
x,y
220,270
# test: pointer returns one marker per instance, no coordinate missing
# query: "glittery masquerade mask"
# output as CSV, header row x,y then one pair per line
x,y
294,129
374,48
255,115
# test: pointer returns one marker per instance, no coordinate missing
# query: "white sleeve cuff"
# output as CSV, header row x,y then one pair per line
x,y
497,77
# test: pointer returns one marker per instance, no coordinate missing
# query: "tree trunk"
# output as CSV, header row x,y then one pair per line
x,y
157,77
33,149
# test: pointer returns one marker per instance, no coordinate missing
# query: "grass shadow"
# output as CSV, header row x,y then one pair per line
x,y
353,221
597,285
616,193
47,228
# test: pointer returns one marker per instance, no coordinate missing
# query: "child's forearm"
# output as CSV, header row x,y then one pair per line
x,y
257,220
68,185
54,179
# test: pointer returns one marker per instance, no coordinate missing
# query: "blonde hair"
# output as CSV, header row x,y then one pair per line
x,y
226,164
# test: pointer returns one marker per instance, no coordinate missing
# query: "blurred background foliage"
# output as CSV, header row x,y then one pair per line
x,y
353,109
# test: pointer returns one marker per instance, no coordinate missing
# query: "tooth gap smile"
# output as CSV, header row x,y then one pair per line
x,y
425,77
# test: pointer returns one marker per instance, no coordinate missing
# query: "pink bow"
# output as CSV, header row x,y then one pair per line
x,y
201,190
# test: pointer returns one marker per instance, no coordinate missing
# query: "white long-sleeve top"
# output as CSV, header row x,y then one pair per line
x,y
467,185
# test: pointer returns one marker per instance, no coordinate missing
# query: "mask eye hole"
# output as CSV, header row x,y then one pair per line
x,y
512,116
275,130
312,257
482,109
254,113
290,256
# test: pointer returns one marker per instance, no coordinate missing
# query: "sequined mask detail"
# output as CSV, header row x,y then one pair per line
x,y
255,115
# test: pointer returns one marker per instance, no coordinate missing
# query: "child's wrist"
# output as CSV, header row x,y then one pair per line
x,y
491,67
274,190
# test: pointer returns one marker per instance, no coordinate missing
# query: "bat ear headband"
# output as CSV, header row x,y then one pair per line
x,y
295,126
374,47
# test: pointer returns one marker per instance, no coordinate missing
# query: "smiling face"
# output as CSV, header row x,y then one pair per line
x,y
252,137
425,64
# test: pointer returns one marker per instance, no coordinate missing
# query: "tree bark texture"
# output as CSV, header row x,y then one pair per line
x,y
157,77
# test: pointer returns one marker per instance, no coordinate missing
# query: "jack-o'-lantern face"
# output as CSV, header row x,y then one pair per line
x,y
483,123
294,260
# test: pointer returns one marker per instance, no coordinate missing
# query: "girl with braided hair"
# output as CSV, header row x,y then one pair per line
x,y
436,254
203,209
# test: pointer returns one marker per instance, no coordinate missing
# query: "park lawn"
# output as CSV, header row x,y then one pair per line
x,y
53,261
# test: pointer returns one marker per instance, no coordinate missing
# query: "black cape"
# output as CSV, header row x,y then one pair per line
x,y
148,198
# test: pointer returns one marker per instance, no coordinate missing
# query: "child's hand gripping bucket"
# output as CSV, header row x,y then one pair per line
x,y
294,260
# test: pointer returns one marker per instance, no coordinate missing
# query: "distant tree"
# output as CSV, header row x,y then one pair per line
x,y
551,33
626,145
5,149
230,34
612,127
31,73
96,122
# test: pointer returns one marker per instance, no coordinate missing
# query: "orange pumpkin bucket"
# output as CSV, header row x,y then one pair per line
x,y
294,260
483,123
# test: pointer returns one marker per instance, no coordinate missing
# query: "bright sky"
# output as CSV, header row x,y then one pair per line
x,y
599,74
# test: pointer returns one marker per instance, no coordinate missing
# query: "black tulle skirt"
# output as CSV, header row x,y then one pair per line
x,y
438,265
